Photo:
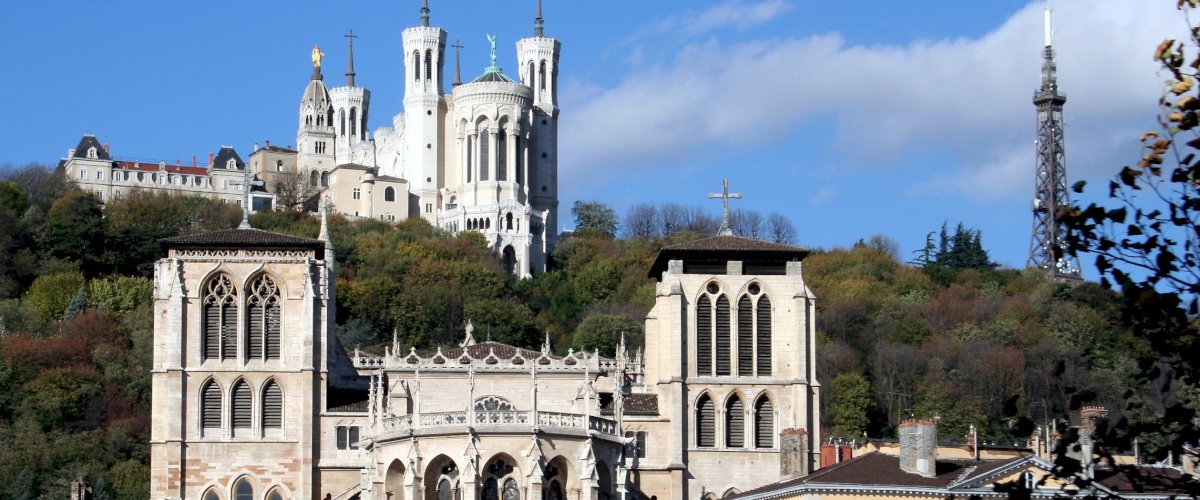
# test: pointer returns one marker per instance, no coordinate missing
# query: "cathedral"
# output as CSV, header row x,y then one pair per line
x,y
254,398
481,157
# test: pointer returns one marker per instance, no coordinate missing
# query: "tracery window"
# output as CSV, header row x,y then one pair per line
x,y
263,324
493,403
220,318
713,348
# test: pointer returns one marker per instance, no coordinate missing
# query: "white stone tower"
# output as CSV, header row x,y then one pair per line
x,y
315,136
538,60
350,105
424,112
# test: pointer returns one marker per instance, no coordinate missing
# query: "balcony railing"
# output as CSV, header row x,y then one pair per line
x,y
548,420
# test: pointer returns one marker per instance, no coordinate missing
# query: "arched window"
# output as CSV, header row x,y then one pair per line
x,y
324,179
445,491
703,336
231,164
554,491
416,65
705,423
763,336
275,494
243,490
542,77
487,223
428,64
342,120
314,178
502,155
745,337
483,155
735,418
210,407
722,336
211,494
262,326
529,77
764,423
220,318
240,416
329,116
389,194
508,218
91,153
353,122
272,406
279,165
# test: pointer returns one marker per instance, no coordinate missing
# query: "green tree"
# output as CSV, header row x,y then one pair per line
x,y
602,333
851,402
130,480
13,198
51,294
596,217
75,230
118,293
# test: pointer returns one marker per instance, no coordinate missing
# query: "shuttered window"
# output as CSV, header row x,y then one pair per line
x,y
272,410
210,406
764,423
705,426
703,336
735,419
745,337
723,344
763,336
219,309
262,327
241,417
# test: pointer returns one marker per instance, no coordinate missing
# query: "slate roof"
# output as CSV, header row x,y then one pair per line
x,y
726,248
493,74
244,238
636,404
224,155
1145,479
90,141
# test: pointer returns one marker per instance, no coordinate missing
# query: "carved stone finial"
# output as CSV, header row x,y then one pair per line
x,y
469,338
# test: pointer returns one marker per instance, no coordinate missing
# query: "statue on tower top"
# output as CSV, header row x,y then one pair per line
x,y
492,39
317,55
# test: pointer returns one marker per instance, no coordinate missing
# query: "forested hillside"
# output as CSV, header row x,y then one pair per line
x,y
946,335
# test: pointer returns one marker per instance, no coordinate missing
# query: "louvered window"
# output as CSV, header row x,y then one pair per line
x,y
745,337
705,425
272,410
764,423
241,417
262,329
764,336
735,418
703,336
210,406
243,491
220,318
722,336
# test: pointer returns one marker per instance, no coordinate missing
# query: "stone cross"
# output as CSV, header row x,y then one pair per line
x,y
725,195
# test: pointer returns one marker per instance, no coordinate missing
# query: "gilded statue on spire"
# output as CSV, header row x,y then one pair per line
x,y
317,55
492,39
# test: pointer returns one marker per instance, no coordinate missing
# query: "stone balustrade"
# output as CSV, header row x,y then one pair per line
x,y
546,420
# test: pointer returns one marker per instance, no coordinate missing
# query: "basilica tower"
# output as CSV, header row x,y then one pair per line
x,y
350,104
315,136
538,60
424,112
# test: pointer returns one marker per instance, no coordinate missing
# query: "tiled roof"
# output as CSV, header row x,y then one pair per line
x,y
636,404
154,167
90,141
1145,479
726,248
240,238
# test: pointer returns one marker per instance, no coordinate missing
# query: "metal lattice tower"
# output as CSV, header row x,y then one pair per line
x,y
1048,248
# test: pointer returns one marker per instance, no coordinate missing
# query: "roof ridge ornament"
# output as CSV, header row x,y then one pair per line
x,y
469,337
725,195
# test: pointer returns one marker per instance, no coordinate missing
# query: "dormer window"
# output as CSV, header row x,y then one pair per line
x,y
231,164
91,153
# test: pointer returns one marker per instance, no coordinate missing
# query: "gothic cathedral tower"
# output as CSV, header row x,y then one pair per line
x,y
424,114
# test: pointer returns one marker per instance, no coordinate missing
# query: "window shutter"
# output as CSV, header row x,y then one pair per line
x,y
764,423
254,324
705,427
353,441
745,336
764,336
241,406
212,331
229,332
273,328
735,417
723,336
210,407
703,336
342,436
272,413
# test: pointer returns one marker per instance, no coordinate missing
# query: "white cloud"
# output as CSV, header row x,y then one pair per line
x,y
968,98
823,195
737,13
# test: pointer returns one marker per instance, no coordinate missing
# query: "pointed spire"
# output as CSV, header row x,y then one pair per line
x,y
350,61
457,55
425,13
537,21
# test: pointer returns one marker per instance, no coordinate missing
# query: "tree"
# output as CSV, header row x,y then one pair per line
x,y
851,402
672,217
602,333
747,223
51,294
780,229
75,230
595,216
641,221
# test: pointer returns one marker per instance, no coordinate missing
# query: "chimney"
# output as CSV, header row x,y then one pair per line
x,y
106,148
211,157
845,452
268,144
255,147
793,453
178,162
1090,418
193,160
827,455
918,447
973,443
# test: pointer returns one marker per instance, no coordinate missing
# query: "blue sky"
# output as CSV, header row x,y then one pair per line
x,y
851,118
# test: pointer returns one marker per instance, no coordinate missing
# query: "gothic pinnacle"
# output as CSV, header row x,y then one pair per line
x,y
350,64
537,21
425,13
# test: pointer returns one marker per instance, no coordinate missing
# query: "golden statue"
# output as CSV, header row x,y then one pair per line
x,y
316,57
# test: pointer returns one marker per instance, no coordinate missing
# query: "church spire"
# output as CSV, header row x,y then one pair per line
x,y
457,69
350,64
537,21
425,13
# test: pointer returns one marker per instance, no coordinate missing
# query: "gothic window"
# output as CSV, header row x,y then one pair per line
x,y
444,490
272,406
275,495
722,335
705,423
502,155
745,337
314,178
493,403
509,221
484,149
530,75
324,179
764,423
554,491
243,490
389,194
416,65
500,485
211,494
262,327
520,161
342,120
763,336
240,417
704,336
469,172
329,116
210,407
353,122
428,64
542,77
511,490
220,318
735,418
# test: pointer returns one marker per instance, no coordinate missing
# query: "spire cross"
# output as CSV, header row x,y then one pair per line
x,y
457,55
350,34
725,195
350,65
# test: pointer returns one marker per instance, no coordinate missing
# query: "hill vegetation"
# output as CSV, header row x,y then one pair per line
x,y
946,335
